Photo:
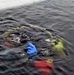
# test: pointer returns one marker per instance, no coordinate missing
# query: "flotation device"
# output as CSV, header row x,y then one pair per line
x,y
59,48
44,67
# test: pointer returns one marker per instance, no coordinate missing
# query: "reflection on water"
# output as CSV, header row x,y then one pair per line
x,y
54,14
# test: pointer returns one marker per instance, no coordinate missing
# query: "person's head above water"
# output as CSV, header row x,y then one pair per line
x,y
13,39
16,39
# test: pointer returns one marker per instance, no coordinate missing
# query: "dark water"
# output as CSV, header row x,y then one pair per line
x,y
53,14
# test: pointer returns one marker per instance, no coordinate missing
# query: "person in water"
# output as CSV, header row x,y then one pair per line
x,y
45,67
12,40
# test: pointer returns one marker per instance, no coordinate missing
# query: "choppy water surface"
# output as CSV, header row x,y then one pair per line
x,y
53,14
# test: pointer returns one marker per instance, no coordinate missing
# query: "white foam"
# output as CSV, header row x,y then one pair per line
x,y
4,4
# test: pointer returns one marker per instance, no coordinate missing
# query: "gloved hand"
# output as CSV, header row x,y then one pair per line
x,y
32,51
